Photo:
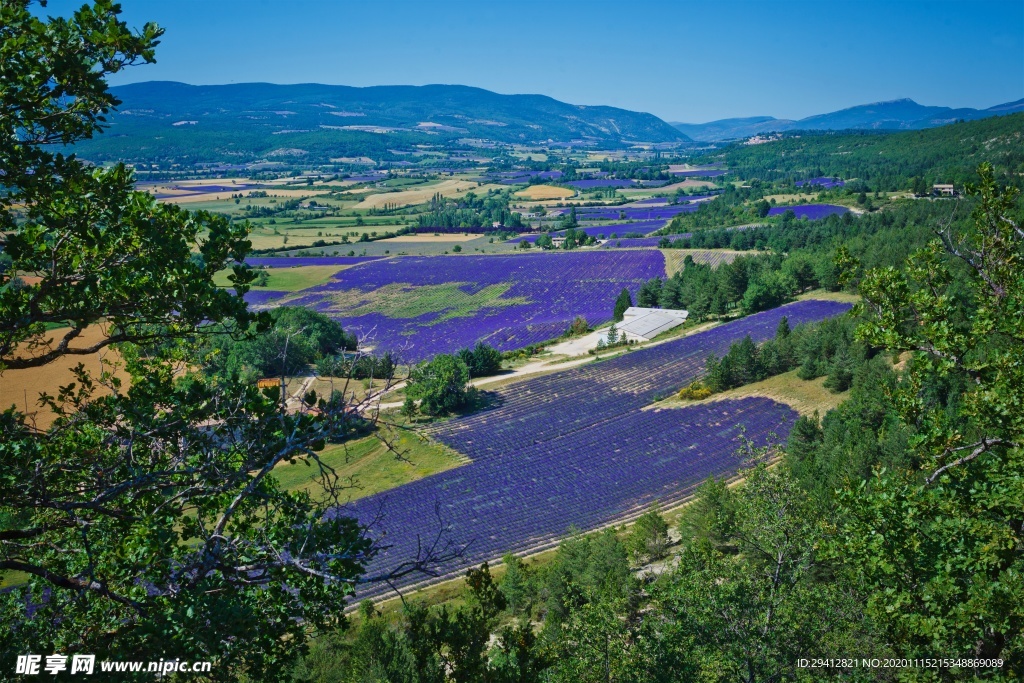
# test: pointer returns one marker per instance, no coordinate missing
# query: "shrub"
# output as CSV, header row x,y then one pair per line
x,y
578,328
694,392
482,360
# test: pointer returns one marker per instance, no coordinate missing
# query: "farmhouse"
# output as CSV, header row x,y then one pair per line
x,y
943,189
644,324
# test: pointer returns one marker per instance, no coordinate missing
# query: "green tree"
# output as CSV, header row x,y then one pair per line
x,y
295,339
650,293
752,611
623,302
517,584
440,385
482,360
938,551
146,519
648,539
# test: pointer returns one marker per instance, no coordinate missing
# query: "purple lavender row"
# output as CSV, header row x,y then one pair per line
x,y
544,408
294,261
545,292
262,297
811,212
588,478
826,183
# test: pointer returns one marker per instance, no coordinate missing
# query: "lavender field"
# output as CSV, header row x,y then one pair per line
x,y
635,213
295,261
826,183
577,449
642,227
811,212
421,306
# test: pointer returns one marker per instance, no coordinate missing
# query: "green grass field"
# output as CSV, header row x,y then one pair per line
x,y
287,279
399,300
369,467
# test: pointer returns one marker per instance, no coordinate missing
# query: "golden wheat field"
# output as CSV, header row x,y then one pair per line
x,y
539,192
22,388
422,194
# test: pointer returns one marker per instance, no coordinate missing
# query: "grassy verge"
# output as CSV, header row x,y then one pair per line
x,y
803,396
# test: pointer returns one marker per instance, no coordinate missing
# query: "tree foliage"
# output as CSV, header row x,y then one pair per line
x,y
939,550
146,522
440,385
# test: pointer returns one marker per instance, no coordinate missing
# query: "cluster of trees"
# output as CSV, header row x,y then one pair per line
x,y
904,226
749,284
482,360
823,349
419,643
292,340
357,366
440,385
471,211
145,521
798,255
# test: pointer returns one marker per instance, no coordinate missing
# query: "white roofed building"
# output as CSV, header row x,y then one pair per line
x,y
644,324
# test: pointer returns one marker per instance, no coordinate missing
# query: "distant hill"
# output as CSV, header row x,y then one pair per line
x,y
902,114
882,158
253,119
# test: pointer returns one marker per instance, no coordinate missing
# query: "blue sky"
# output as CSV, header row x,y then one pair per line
x,y
681,60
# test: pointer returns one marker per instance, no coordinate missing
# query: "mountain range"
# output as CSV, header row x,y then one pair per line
x,y
903,114
447,110
166,122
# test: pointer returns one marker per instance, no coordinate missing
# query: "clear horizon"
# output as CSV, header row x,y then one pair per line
x,y
683,62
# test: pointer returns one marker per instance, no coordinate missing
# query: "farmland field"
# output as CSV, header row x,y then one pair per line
x,y
23,387
288,279
366,466
425,245
421,306
811,212
803,396
577,448
540,192
422,194
713,257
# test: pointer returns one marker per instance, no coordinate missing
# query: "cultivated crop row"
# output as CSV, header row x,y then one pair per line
x,y
439,304
578,449
811,212
544,408
533,495
295,261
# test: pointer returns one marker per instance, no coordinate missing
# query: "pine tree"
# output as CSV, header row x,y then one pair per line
x,y
621,304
